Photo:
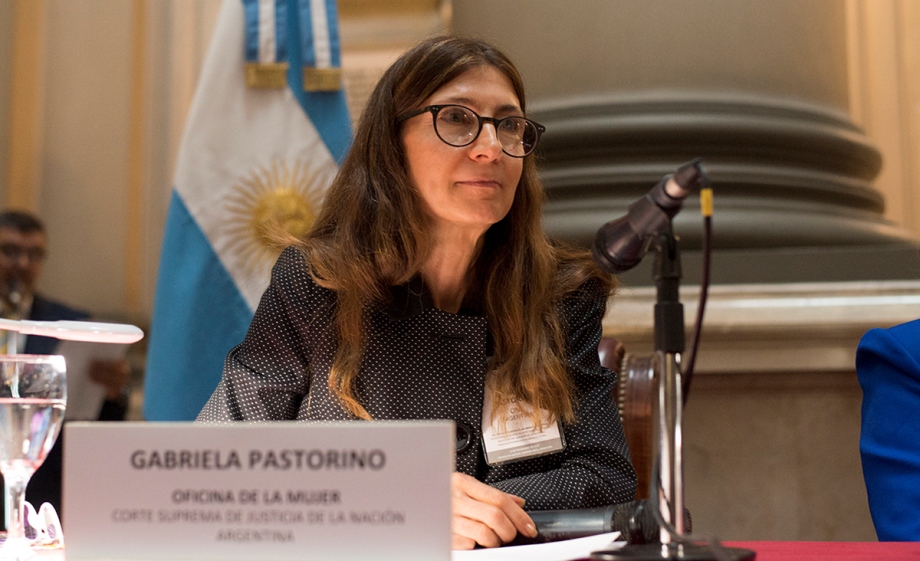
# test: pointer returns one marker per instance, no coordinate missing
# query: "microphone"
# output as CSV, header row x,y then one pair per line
x,y
13,297
622,243
635,520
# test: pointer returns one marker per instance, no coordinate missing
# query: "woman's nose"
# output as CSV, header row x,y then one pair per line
x,y
487,143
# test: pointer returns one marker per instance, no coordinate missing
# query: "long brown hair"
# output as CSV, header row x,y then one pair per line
x,y
372,234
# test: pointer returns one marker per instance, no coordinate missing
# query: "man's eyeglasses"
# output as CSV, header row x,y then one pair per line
x,y
459,126
15,252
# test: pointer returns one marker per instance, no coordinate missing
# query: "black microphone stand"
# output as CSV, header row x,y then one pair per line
x,y
669,344
667,466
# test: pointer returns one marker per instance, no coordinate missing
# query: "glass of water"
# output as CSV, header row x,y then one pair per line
x,y
33,395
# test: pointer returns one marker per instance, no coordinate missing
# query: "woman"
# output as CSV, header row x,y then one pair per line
x,y
428,275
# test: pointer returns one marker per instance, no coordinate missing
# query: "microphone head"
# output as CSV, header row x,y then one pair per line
x,y
687,176
15,289
621,244
13,296
618,247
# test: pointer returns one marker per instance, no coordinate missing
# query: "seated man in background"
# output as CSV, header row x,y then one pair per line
x,y
888,366
23,246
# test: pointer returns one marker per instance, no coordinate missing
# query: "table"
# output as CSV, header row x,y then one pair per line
x,y
828,551
774,551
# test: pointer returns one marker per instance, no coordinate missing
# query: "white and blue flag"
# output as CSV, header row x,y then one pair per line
x,y
265,133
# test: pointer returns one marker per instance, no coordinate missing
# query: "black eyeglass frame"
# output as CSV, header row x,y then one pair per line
x,y
435,109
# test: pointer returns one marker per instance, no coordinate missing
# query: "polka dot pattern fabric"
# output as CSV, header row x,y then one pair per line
x,y
422,363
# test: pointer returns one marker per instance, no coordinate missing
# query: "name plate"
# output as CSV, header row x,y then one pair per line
x,y
256,491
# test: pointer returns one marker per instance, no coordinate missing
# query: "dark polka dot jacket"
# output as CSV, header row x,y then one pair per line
x,y
422,363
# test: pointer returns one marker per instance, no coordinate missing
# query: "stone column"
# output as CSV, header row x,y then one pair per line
x,y
630,89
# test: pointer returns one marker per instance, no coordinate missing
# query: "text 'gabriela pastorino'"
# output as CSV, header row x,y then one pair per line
x,y
285,459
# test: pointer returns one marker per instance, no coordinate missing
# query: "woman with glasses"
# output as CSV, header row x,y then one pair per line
x,y
428,290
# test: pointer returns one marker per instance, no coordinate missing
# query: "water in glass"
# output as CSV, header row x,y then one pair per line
x,y
33,396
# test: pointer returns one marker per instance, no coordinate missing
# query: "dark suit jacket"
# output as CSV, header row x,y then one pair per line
x,y
888,366
422,363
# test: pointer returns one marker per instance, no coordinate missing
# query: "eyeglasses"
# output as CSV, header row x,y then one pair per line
x,y
459,126
15,252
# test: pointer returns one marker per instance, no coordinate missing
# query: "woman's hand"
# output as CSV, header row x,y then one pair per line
x,y
484,515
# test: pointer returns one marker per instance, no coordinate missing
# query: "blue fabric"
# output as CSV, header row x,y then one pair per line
x,y
281,42
200,312
307,43
251,9
332,17
190,338
307,52
327,110
888,366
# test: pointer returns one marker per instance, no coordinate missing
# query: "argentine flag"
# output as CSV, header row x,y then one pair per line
x,y
266,130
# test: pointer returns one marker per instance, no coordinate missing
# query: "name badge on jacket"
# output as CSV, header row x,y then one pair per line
x,y
520,439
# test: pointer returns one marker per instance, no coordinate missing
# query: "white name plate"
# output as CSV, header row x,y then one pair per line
x,y
279,491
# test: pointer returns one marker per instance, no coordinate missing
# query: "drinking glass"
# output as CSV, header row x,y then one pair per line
x,y
33,394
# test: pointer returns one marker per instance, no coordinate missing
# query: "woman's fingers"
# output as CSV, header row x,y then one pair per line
x,y
485,524
485,515
471,532
461,542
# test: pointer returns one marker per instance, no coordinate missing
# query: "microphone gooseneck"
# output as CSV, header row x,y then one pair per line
x,y
622,243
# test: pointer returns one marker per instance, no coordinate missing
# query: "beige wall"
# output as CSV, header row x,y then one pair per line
x,y
6,57
108,110
776,457
884,63
85,152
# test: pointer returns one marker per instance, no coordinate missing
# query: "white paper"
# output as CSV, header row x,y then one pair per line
x,y
84,396
566,550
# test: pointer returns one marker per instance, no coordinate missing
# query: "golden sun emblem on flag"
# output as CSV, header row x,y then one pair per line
x,y
269,207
